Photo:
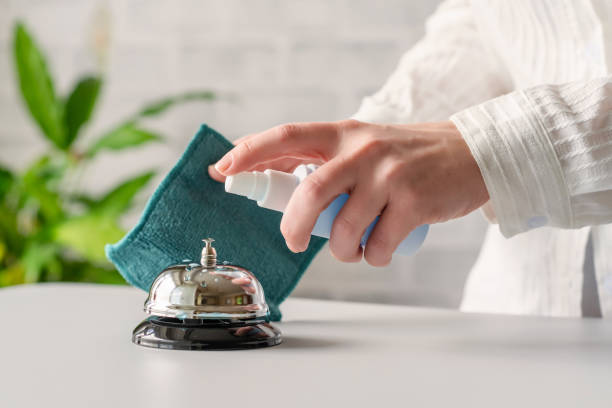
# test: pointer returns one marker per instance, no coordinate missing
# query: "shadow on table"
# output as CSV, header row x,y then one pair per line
x,y
518,336
292,342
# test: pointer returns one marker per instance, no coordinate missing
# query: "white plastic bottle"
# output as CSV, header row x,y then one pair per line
x,y
272,189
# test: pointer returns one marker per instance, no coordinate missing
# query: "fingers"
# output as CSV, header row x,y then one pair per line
x,y
285,165
393,226
212,171
215,175
311,197
307,140
363,206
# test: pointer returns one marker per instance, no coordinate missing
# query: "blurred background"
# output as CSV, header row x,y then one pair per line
x,y
122,86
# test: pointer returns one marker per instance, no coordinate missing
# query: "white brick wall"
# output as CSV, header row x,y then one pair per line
x,y
281,61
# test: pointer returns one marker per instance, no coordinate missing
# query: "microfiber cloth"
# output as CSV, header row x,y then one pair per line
x,y
187,206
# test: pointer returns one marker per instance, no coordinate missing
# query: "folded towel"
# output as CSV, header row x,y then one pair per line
x,y
188,206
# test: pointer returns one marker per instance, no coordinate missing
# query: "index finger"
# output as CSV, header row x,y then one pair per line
x,y
315,141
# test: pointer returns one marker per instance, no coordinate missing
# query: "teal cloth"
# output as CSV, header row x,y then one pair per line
x,y
188,206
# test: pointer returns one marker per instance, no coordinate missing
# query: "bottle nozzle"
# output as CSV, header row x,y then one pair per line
x,y
241,184
250,184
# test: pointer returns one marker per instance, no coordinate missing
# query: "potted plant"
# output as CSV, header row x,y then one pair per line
x,y
50,231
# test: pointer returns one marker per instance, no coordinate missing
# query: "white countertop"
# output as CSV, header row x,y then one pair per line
x,y
69,345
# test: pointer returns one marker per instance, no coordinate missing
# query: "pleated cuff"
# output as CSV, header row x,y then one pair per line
x,y
518,162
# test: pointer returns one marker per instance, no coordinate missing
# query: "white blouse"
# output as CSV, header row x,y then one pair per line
x,y
527,84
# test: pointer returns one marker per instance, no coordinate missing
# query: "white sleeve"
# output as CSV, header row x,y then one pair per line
x,y
448,70
545,154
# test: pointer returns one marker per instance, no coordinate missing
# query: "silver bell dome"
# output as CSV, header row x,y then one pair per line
x,y
206,306
206,291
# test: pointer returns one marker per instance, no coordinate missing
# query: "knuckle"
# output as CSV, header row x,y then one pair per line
x,y
286,132
244,149
312,188
410,198
378,252
406,200
361,153
370,148
375,146
377,243
345,226
392,172
350,124
345,250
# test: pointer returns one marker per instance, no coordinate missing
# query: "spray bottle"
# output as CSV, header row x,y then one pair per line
x,y
272,189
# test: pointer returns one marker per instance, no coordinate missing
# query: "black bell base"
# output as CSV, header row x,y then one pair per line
x,y
205,334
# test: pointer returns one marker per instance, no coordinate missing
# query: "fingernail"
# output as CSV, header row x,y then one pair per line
x,y
299,248
224,164
295,251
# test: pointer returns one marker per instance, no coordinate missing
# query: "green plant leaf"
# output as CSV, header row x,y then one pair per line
x,y
48,170
120,198
88,234
122,137
163,104
6,181
79,106
12,275
38,257
37,184
9,233
37,86
82,199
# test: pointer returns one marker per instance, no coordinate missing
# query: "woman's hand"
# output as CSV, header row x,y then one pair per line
x,y
408,174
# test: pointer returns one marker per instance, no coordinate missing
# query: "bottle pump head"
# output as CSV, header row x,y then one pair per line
x,y
251,184
271,188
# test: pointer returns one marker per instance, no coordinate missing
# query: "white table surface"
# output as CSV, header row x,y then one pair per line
x,y
69,345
